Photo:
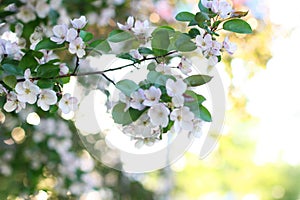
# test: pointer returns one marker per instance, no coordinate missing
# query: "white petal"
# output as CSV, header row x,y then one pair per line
x,y
10,106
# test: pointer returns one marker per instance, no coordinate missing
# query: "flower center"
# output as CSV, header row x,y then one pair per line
x,y
27,91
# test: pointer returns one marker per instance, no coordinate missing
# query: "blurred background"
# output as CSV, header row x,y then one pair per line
x,y
257,156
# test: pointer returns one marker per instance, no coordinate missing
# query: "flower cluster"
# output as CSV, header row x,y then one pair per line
x,y
28,92
160,108
71,35
212,49
9,49
139,28
220,7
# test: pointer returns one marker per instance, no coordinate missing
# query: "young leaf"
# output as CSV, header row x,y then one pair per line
x,y
184,43
184,16
86,36
197,80
202,19
158,78
119,36
237,26
10,81
194,32
48,71
48,45
125,117
127,56
205,114
12,69
28,61
101,45
160,42
145,51
127,86
44,83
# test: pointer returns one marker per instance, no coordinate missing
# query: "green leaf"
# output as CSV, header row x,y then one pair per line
x,y
48,71
125,118
237,26
160,42
10,81
158,78
48,45
202,19
53,16
184,16
184,43
13,69
119,36
145,51
28,61
86,36
127,56
205,114
206,10
197,80
194,32
44,83
127,86
151,66
101,45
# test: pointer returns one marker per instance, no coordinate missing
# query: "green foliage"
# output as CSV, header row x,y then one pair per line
x,y
48,71
119,36
123,117
158,78
45,83
160,42
237,26
10,81
185,16
204,114
145,51
86,36
184,43
127,56
47,44
197,80
127,86
101,45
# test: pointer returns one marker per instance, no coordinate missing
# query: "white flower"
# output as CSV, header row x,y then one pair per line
x,y
159,115
68,103
204,43
152,96
47,97
137,99
13,103
178,100
224,9
26,14
27,74
197,128
163,68
42,8
2,89
135,54
27,91
182,118
63,69
128,25
77,47
213,60
141,28
79,23
8,48
229,46
71,34
175,88
185,66
60,33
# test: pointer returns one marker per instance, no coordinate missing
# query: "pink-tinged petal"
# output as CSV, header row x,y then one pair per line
x,y
27,74
19,88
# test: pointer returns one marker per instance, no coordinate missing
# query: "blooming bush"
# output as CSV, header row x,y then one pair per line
x,y
33,71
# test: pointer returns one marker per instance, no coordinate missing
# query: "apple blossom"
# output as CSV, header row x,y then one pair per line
x,y
13,103
77,47
204,43
2,89
135,54
79,23
178,100
163,68
42,8
60,33
152,96
8,48
141,28
63,69
27,91
185,65
128,25
159,115
71,35
26,14
197,128
224,9
175,88
68,103
229,46
182,118
137,99
47,97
